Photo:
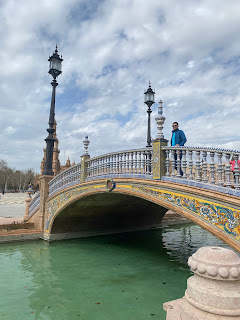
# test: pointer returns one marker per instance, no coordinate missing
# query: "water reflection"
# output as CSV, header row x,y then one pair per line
x,y
182,241
123,276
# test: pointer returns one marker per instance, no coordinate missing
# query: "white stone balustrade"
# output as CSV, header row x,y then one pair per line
x,y
65,179
202,165
34,204
137,162
207,168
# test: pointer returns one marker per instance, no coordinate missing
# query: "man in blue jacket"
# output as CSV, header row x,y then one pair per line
x,y
178,140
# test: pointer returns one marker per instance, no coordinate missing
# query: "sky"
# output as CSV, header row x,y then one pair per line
x,y
188,49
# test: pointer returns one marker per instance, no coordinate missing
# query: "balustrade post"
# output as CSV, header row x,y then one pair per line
x,y
167,163
212,168
142,162
190,165
127,162
88,170
114,163
173,162
159,158
84,158
204,167
178,164
124,163
148,162
117,163
220,169
44,192
97,167
100,166
184,164
198,166
108,164
27,200
138,162
228,170
84,167
131,163
236,172
120,163
135,162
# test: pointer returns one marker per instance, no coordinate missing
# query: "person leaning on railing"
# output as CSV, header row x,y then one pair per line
x,y
232,163
178,139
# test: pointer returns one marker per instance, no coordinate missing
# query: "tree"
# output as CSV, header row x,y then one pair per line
x,y
15,179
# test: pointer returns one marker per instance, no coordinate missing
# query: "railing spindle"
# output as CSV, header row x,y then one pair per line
x,y
212,168
173,162
228,170
236,172
198,166
220,169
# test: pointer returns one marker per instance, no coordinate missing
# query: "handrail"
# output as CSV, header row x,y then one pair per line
x,y
187,165
192,163
65,179
208,149
126,163
35,203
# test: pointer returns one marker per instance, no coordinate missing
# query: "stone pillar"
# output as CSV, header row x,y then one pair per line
x,y
85,157
159,158
28,200
44,191
213,291
83,174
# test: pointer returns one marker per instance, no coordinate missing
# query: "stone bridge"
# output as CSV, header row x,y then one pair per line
x,y
77,202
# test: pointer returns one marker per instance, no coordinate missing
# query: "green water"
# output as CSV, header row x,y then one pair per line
x,y
118,277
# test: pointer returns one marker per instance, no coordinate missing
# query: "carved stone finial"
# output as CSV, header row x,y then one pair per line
x,y
213,291
86,143
160,119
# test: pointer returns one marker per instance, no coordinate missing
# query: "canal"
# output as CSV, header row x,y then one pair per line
x,y
124,276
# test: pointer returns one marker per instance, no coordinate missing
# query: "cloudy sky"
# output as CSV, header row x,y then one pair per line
x,y
188,49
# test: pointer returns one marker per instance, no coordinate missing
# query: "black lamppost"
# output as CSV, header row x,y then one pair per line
x,y
55,69
149,100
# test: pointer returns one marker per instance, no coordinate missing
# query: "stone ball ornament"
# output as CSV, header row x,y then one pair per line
x,y
215,262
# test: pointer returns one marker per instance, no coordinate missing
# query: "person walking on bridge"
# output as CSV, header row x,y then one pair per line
x,y
178,140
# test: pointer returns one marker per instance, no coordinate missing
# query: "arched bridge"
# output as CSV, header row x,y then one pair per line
x,y
148,183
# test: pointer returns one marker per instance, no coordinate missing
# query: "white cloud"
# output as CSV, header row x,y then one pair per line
x,y
9,130
111,49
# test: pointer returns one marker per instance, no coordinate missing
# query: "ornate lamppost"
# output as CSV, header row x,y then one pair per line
x,y
55,69
149,100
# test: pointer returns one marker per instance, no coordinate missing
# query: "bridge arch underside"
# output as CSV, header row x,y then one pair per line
x,y
104,213
136,202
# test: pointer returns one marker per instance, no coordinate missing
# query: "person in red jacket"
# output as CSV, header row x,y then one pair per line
x,y
232,163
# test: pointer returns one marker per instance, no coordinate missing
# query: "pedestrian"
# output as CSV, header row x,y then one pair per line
x,y
178,140
232,163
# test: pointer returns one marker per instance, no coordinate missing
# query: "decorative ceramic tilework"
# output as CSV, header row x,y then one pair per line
x,y
59,201
219,216
224,218
156,159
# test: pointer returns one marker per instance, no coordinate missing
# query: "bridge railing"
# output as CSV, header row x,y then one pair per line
x,y
34,204
137,163
65,179
202,165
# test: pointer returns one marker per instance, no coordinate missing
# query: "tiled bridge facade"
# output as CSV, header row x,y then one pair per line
x,y
207,193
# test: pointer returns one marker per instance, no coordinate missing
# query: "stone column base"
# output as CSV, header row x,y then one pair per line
x,y
180,309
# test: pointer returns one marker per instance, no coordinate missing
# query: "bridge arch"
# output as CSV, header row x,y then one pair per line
x,y
215,212
120,210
